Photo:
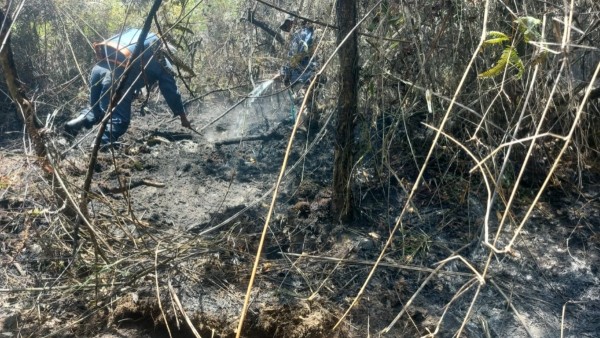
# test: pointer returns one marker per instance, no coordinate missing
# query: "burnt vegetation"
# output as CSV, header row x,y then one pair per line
x,y
439,177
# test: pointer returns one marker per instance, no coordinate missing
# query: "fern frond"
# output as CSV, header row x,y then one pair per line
x,y
509,56
495,70
515,60
497,38
528,27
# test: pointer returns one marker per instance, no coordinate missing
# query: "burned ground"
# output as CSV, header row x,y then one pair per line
x,y
181,215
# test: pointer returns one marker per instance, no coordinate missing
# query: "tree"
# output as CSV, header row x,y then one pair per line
x,y
26,112
346,107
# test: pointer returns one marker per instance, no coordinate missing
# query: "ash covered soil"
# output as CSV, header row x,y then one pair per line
x,y
183,214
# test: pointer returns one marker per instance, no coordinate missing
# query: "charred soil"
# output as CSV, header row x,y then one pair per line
x,y
179,217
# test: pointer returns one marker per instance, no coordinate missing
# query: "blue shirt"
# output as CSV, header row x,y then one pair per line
x,y
151,67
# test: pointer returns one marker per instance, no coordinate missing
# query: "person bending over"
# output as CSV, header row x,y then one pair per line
x,y
151,67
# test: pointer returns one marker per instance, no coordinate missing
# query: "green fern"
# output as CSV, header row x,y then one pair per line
x,y
509,56
497,38
528,27
515,60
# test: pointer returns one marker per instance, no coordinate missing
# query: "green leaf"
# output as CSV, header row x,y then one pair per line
x,y
528,22
497,38
528,26
495,41
397,21
515,60
509,56
496,34
495,70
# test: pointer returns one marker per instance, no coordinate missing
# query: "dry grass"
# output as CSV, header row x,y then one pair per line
x,y
429,129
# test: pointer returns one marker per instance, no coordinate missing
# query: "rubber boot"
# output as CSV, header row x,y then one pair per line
x,y
75,125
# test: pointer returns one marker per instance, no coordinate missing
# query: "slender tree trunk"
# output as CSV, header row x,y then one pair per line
x,y
347,107
25,111
113,102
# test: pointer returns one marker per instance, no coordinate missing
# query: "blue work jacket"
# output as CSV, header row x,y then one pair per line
x,y
150,68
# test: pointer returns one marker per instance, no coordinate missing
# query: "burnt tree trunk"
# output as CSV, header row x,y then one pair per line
x,y
346,108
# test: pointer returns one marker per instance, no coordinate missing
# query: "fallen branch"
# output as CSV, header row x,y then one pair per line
x,y
272,133
182,310
172,136
265,27
60,288
370,263
133,184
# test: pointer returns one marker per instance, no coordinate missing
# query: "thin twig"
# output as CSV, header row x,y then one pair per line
x,y
182,310
370,263
510,304
59,288
158,290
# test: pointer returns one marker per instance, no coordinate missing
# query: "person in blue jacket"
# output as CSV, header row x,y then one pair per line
x,y
114,57
301,64
301,67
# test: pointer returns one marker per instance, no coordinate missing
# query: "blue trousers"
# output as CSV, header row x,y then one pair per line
x,y
103,84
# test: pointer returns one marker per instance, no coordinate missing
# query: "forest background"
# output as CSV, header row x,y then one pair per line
x,y
447,186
